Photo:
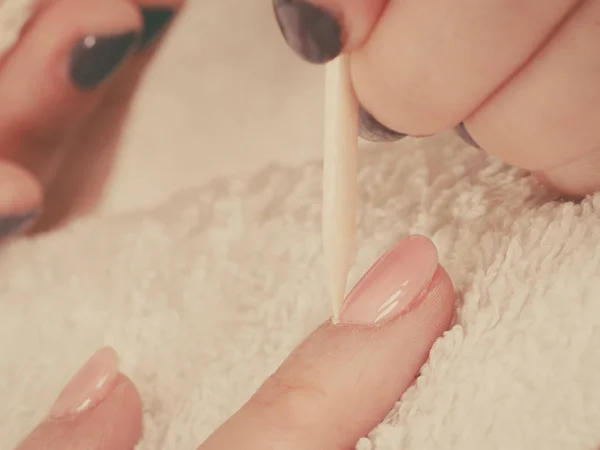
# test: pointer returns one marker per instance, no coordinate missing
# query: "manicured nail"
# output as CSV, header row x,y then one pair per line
x,y
95,58
370,129
462,132
90,385
10,225
155,22
312,32
394,284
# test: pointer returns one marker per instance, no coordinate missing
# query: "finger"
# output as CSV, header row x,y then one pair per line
x,y
574,180
21,197
57,75
156,16
428,64
79,183
79,174
319,30
343,380
99,409
547,116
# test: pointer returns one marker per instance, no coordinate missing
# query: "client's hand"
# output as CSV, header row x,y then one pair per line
x,y
331,391
51,84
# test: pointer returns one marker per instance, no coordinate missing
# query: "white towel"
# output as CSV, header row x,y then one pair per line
x,y
13,16
205,296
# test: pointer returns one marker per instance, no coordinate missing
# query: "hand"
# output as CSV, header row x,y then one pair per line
x,y
72,56
521,79
331,391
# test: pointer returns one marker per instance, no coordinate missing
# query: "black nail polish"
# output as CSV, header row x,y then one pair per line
x,y
13,224
312,32
462,132
155,21
370,129
95,58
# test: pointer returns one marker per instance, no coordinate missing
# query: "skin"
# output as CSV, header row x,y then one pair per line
x,y
42,134
331,391
530,96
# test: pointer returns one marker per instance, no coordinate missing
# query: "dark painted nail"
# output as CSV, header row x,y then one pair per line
x,y
155,21
95,58
312,32
13,224
462,132
370,129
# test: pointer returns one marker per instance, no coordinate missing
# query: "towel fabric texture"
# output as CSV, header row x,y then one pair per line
x,y
204,296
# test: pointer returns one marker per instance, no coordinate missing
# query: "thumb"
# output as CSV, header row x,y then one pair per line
x,y
99,409
343,380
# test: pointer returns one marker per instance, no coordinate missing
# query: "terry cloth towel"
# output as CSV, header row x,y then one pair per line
x,y
13,15
205,296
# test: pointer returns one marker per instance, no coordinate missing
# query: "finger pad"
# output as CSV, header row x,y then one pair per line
x,y
20,192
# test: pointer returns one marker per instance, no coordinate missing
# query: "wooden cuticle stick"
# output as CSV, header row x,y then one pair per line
x,y
340,174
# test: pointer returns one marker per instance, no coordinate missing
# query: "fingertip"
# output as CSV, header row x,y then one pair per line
x,y
21,197
115,424
70,48
124,411
319,30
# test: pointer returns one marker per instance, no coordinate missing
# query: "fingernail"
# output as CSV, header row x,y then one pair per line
x,y
394,284
155,21
95,58
462,132
312,32
10,225
370,129
90,385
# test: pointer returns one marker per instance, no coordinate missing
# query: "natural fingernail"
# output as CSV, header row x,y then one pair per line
x,y
371,129
95,58
155,22
312,32
462,132
90,385
10,225
394,284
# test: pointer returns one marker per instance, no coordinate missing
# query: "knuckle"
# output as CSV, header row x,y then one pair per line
x,y
291,405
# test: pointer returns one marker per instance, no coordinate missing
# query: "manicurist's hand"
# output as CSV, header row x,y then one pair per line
x,y
73,57
519,78
331,391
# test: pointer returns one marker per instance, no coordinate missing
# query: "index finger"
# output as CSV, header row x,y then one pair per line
x,y
343,380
